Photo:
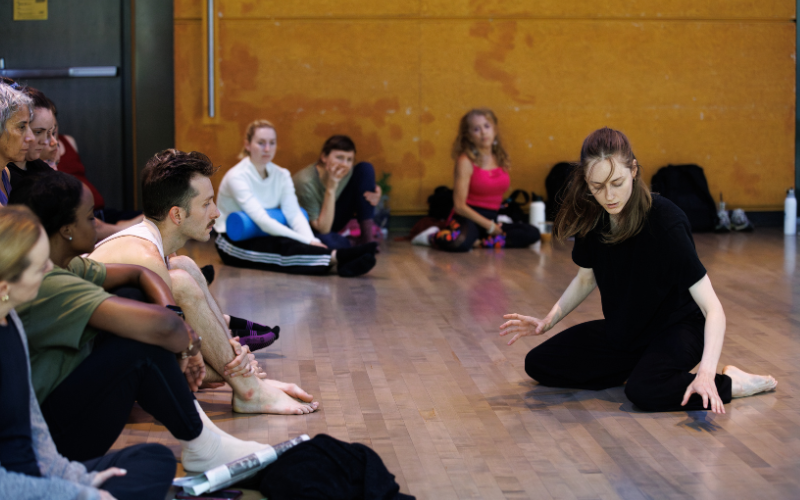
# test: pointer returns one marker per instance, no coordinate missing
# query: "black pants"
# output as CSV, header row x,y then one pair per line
x,y
351,202
89,409
274,253
151,468
461,233
658,374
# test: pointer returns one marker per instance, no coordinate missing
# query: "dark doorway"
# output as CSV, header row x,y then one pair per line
x,y
103,114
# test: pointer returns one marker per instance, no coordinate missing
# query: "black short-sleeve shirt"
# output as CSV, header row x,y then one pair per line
x,y
644,281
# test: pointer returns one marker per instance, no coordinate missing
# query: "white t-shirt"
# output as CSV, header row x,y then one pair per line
x,y
243,190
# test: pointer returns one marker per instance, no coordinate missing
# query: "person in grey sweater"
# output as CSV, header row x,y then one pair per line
x,y
30,465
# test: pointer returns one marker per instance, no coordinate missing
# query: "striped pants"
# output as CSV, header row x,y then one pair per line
x,y
275,253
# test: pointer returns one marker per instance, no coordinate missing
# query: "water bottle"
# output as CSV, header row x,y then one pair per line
x,y
537,213
790,213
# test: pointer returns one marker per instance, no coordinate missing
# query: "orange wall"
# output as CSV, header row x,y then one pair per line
x,y
689,82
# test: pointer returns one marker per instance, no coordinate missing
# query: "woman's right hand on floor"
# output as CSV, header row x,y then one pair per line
x,y
522,326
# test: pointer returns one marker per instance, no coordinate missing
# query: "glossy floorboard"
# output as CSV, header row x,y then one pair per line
x,y
408,361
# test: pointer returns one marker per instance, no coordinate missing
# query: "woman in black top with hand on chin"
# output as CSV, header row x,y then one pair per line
x,y
662,316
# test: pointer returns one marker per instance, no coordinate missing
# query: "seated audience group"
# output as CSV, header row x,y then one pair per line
x,y
84,338
98,315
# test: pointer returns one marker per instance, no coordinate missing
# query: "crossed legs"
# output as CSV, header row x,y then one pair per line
x,y
251,394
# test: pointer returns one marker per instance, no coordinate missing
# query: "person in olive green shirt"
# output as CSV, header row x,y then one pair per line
x,y
93,354
333,191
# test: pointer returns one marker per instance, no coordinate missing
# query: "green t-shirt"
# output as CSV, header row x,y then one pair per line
x,y
57,322
311,192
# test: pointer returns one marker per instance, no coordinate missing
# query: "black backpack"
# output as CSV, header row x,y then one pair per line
x,y
513,209
686,186
556,183
440,203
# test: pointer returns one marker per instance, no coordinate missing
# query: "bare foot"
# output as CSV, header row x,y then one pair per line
x,y
271,399
746,384
291,389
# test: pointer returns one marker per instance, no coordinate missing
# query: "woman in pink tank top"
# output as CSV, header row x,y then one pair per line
x,y
481,180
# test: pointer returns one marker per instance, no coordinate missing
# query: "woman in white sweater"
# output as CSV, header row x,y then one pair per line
x,y
255,185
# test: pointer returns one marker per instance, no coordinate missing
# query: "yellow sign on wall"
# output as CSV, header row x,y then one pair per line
x,y
30,10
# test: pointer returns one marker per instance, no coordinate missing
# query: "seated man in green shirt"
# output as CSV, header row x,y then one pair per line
x,y
333,192
94,354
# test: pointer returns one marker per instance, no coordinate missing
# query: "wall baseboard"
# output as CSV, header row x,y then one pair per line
x,y
402,224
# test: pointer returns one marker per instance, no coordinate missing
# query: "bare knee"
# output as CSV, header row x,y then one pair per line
x,y
187,264
185,288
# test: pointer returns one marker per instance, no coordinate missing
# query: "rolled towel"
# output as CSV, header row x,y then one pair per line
x,y
239,226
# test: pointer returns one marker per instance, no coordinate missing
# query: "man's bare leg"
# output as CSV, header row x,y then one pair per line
x,y
250,394
190,266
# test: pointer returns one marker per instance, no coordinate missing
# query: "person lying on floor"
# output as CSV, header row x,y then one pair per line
x,y
662,316
30,466
254,185
333,191
94,354
178,201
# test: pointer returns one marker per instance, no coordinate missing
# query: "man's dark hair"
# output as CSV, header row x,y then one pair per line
x,y
166,178
338,142
53,197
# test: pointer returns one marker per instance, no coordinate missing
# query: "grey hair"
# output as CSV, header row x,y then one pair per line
x,y
11,101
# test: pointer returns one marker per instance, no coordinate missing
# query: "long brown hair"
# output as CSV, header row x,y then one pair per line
x,y
251,130
19,232
463,144
580,212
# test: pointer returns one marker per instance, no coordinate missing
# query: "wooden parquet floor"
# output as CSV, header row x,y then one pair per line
x,y
408,361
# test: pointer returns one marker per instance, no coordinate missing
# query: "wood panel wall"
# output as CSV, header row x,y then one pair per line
x,y
710,83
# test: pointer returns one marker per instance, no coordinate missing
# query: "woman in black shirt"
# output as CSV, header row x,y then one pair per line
x,y
662,316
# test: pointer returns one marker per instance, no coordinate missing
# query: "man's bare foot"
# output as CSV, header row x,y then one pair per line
x,y
271,399
746,384
291,389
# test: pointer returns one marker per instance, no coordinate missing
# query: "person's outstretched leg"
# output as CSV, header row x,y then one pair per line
x,y
274,253
250,394
150,471
580,358
660,378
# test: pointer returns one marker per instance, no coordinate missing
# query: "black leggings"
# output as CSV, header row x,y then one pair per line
x,y
151,468
461,234
274,253
658,374
87,412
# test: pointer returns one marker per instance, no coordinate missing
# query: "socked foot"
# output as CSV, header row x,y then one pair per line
x,y
291,389
746,384
272,399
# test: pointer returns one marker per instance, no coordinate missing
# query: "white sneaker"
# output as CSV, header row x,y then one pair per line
x,y
423,239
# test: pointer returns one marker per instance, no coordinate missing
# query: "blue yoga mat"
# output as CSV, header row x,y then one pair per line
x,y
240,227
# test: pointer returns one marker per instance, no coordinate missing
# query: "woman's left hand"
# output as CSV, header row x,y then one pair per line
x,y
373,197
704,386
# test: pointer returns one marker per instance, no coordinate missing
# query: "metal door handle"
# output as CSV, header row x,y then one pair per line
x,y
73,72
